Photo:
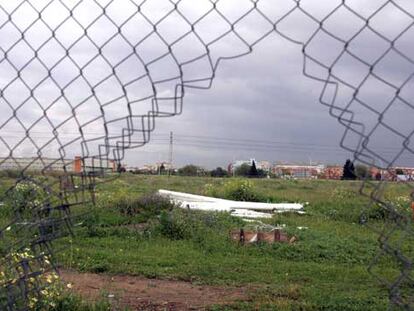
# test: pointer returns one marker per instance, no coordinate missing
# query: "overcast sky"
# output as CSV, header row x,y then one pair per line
x,y
258,106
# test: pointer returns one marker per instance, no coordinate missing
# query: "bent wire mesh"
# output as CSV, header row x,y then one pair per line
x,y
90,78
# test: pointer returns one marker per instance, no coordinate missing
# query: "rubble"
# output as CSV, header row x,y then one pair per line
x,y
248,237
246,210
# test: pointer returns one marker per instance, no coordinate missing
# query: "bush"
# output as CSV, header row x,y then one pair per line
x,y
400,205
243,170
241,190
10,173
173,227
151,204
362,171
24,197
123,208
71,302
234,189
41,290
182,224
191,170
219,172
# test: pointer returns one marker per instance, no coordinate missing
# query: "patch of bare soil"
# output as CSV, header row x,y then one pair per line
x,y
140,293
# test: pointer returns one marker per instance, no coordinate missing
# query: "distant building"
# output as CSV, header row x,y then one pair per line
x,y
298,171
37,164
153,169
94,164
379,174
264,165
76,165
399,174
392,174
332,172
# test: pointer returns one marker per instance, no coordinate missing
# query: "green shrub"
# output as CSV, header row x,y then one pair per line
x,y
212,190
23,197
11,173
400,204
182,224
235,189
71,302
148,205
172,226
120,210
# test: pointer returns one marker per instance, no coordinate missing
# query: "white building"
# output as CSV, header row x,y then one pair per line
x,y
76,165
298,171
36,164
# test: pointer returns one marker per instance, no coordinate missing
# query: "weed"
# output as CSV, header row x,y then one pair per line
x,y
324,270
148,205
237,189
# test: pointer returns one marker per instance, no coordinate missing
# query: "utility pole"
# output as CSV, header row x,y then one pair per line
x,y
171,153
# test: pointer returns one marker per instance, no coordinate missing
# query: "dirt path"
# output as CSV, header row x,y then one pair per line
x,y
140,293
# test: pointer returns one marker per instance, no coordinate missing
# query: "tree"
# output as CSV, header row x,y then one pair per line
x,y
162,169
120,168
189,170
362,171
253,170
349,171
262,173
218,172
242,170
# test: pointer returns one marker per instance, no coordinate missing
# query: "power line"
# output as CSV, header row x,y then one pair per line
x,y
207,140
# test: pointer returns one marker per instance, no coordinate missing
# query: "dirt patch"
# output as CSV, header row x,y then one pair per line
x,y
140,293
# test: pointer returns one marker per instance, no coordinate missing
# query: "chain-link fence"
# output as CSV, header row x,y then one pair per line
x,y
90,77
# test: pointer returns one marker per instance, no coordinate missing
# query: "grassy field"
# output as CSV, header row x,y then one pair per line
x,y
127,232
325,270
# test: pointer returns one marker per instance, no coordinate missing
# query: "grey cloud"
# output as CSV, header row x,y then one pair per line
x,y
262,96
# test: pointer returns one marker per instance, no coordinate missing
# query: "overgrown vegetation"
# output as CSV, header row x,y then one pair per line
x,y
48,286
133,231
234,189
71,302
146,206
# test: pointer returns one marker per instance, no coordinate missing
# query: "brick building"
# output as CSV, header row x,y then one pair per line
x,y
332,172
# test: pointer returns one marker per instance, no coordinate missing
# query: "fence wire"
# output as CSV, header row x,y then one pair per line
x,y
90,78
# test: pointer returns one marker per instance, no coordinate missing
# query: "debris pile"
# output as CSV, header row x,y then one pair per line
x,y
245,210
249,237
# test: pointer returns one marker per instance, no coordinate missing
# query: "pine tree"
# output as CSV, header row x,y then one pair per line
x,y
253,170
349,171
